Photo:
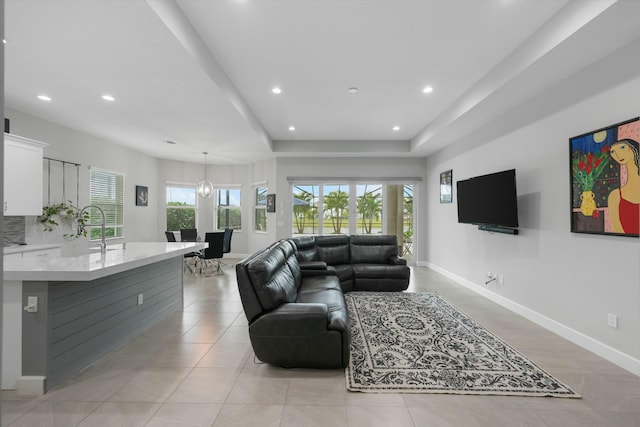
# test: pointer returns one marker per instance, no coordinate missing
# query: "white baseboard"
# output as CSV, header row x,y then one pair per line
x,y
605,351
31,385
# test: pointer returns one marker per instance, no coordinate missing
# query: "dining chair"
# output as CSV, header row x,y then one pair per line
x,y
188,234
226,247
185,236
213,252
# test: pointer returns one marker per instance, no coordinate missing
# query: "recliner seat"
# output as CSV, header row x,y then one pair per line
x,y
292,293
294,320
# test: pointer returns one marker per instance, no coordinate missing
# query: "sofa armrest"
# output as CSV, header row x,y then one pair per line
x,y
312,265
396,260
327,271
292,319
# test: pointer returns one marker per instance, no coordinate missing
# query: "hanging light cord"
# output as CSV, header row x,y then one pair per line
x,y
205,164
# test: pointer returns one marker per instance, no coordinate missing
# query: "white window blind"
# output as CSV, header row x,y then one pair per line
x,y
107,191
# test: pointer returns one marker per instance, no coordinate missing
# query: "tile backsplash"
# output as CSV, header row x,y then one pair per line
x,y
14,230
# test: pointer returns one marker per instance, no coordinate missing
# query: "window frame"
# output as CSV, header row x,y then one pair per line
x,y
111,215
228,207
193,207
260,208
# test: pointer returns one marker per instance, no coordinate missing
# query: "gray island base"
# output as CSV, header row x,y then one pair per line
x,y
79,321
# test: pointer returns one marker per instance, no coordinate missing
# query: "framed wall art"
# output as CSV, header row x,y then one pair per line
x,y
142,195
605,184
446,191
271,202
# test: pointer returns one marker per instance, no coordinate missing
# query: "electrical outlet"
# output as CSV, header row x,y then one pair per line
x,y
612,321
32,305
501,279
489,274
140,299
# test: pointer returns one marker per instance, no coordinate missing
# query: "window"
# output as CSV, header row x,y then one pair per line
x,y
407,219
260,208
353,208
228,208
181,207
305,209
106,190
335,208
369,207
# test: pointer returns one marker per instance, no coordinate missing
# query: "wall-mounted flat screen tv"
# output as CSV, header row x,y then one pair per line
x,y
489,200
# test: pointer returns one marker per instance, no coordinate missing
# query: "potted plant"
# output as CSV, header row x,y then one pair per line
x,y
64,212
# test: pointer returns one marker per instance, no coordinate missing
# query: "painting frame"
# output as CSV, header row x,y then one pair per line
x,y
604,181
142,195
446,186
271,202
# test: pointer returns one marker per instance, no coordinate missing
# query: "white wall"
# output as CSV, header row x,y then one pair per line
x,y
141,223
350,168
73,146
220,176
567,282
260,174
245,241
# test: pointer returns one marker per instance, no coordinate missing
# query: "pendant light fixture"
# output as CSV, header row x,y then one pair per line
x,y
204,186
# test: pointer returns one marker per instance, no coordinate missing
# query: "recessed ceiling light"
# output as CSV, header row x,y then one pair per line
x,y
292,128
396,128
427,89
4,41
276,90
44,98
108,98
352,90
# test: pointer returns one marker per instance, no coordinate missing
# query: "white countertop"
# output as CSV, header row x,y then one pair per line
x,y
96,265
26,248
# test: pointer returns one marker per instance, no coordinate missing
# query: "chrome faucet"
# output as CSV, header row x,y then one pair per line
x,y
103,245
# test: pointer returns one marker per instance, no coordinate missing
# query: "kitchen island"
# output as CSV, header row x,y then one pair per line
x,y
64,313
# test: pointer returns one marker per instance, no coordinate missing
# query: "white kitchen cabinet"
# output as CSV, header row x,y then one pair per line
x,y
22,175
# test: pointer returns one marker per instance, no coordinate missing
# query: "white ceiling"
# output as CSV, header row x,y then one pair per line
x,y
200,72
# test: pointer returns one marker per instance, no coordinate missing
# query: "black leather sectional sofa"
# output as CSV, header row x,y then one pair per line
x,y
292,293
362,262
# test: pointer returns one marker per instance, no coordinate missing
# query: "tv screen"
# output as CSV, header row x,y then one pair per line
x,y
489,199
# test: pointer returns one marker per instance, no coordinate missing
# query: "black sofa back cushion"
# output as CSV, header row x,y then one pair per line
x,y
272,277
306,248
376,249
334,250
288,248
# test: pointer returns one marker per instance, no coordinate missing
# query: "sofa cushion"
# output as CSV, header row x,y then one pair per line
x,y
344,273
306,248
379,278
373,249
289,250
319,283
273,279
334,250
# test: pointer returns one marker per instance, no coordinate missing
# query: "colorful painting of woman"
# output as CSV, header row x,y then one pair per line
x,y
624,202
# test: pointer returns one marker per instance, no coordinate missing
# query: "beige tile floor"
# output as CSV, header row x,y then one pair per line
x,y
196,368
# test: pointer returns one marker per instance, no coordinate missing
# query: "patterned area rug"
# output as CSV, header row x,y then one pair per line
x,y
419,343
